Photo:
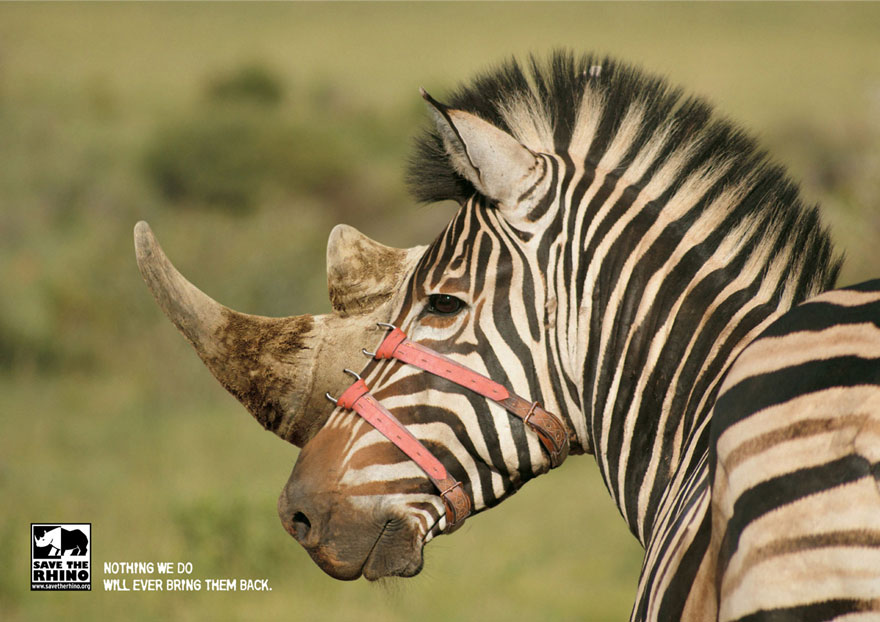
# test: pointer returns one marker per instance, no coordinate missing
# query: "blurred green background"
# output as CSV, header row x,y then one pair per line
x,y
243,133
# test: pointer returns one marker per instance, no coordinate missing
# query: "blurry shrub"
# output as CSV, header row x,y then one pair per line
x,y
40,345
56,307
217,159
231,157
23,352
252,83
28,326
233,150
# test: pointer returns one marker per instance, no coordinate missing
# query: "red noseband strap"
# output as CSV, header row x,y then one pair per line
x,y
357,397
550,429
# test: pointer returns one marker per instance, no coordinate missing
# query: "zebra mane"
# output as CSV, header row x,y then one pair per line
x,y
589,106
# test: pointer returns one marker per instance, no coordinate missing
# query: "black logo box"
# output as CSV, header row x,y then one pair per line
x,y
61,556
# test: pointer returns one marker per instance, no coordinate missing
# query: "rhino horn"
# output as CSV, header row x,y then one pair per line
x,y
363,274
279,368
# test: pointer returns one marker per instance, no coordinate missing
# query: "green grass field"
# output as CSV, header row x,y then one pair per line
x,y
243,133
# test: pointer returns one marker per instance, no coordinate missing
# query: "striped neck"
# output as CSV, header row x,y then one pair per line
x,y
668,291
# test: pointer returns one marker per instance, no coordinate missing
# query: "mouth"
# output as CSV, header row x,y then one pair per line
x,y
368,561
395,553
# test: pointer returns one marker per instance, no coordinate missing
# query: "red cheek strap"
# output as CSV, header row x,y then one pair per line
x,y
352,394
550,429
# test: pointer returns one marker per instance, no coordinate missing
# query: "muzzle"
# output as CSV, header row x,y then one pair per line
x,y
549,428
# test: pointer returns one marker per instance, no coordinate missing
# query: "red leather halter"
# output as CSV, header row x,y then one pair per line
x,y
551,431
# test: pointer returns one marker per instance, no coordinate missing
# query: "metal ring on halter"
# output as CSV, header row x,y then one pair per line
x,y
350,373
384,325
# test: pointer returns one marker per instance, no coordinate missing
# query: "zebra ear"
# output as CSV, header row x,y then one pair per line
x,y
498,166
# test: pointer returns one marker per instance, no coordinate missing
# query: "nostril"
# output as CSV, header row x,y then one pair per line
x,y
301,526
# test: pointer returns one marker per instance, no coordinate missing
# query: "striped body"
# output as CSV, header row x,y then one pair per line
x,y
796,464
624,284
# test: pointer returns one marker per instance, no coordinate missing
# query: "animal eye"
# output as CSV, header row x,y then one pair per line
x,y
444,304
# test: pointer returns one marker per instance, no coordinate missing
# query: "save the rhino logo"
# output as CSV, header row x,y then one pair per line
x,y
61,556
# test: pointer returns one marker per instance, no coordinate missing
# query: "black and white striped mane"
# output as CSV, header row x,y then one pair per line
x,y
576,106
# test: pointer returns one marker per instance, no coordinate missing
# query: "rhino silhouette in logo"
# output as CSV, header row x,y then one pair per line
x,y
62,541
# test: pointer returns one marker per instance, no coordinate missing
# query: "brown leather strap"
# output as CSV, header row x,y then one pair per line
x,y
550,429
357,397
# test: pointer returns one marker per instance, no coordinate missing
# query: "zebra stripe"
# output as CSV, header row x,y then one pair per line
x,y
797,435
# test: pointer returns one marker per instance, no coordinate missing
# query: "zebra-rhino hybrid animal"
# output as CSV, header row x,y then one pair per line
x,y
627,276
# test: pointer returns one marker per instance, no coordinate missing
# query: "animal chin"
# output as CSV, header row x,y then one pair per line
x,y
378,566
394,553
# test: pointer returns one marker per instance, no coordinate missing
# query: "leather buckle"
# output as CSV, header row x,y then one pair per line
x,y
458,506
530,413
552,434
